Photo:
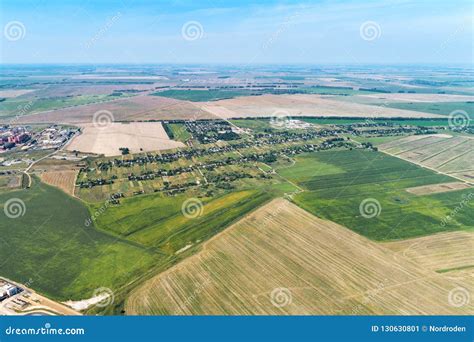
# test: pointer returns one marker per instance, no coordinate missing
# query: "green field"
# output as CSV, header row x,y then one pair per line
x,y
14,106
158,222
336,183
203,95
179,132
51,248
442,108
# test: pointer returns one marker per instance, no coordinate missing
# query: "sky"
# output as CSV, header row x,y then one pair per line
x,y
237,32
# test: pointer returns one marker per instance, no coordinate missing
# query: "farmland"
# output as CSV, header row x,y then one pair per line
x,y
447,154
442,108
207,188
12,106
51,245
159,222
337,183
303,105
282,260
202,95
136,136
443,252
64,180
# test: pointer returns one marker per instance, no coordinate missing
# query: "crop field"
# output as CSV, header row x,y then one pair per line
x,y
365,191
450,155
136,136
282,260
304,105
64,180
139,107
202,95
179,132
13,106
447,253
346,121
412,99
442,108
437,188
51,247
157,221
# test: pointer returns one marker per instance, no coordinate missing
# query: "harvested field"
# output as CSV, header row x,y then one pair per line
x,y
450,155
437,188
139,107
136,136
63,180
438,252
407,97
282,260
302,105
14,92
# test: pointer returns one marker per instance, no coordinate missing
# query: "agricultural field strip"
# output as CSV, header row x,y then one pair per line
x,y
281,245
440,159
449,148
436,169
417,144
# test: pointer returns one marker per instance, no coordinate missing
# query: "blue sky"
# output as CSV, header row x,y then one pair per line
x,y
240,32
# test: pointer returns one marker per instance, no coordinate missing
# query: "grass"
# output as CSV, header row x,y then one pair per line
x,y
159,222
51,247
442,108
336,183
180,133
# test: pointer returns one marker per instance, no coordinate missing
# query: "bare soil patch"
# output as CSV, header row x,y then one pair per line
x,y
437,188
303,105
141,107
64,180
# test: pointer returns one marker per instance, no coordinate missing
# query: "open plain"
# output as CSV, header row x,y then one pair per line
x,y
136,136
282,260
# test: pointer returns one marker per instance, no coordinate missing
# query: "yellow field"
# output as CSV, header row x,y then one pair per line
x,y
439,252
63,180
137,136
282,260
